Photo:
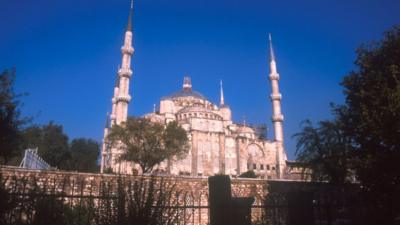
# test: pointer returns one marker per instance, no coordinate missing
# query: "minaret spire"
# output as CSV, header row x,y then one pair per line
x,y
271,49
125,73
221,101
129,24
277,117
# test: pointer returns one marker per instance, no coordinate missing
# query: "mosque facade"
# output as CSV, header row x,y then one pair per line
x,y
217,145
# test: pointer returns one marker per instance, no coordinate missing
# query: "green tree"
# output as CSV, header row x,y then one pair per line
x,y
365,131
51,141
147,143
326,149
248,174
84,155
373,120
10,118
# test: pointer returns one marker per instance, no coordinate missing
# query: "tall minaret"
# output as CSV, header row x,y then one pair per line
x,y
125,73
221,101
277,117
121,97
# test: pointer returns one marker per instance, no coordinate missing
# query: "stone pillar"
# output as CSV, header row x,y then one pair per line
x,y
219,199
225,210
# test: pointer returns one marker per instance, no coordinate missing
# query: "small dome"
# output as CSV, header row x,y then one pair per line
x,y
245,129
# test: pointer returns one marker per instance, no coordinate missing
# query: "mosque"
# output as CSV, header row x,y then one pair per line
x,y
217,144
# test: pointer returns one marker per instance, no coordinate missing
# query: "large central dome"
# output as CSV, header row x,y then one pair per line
x,y
186,91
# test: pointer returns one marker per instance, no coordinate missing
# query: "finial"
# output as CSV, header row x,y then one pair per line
x,y
271,50
244,120
129,26
222,101
154,108
187,83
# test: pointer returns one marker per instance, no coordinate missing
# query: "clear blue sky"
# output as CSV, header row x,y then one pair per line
x,y
67,53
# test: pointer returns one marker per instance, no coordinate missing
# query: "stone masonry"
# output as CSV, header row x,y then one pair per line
x,y
88,184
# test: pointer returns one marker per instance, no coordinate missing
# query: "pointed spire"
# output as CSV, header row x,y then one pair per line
x,y
271,49
107,124
222,101
154,108
129,26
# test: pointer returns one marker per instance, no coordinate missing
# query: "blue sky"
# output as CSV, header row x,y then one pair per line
x,y
67,53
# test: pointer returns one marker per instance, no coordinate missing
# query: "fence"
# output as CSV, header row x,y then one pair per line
x,y
51,197
122,201
314,204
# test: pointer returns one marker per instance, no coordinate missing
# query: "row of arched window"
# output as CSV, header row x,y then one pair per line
x,y
202,115
254,166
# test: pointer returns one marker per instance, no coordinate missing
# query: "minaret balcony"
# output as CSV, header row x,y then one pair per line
x,y
275,97
126,98
113,100
274,76
277,118
127,50
123,72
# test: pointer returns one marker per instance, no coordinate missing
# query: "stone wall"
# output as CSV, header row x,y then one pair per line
x,y
196,188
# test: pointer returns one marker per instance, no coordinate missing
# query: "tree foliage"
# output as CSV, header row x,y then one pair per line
x,y
365,131
248,174
373,120
326,149
53,146
125,201
51,141
84,155
10,118
147,143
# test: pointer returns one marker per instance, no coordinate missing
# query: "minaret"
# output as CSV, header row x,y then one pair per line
x,y
121,97
277,117
125,73
221,101
105,150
